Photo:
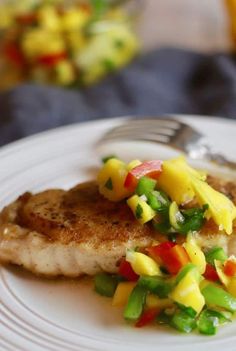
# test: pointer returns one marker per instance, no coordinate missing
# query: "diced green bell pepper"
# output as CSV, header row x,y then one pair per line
x,y
187,309
209,320
156,285
183,322
145,186
216,253
163,318
135,304
105,284
216,296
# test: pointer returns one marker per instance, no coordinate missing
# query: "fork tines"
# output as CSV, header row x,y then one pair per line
x,y
156,129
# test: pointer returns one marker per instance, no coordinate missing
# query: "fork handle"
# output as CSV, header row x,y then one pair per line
x,y
221,160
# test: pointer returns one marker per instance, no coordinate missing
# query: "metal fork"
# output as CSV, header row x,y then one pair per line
x,y
170,132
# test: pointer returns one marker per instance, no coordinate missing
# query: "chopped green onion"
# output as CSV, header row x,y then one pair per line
x,y
134,307
145,186
216,253
183,322
109,184
157,285
138,211
216,296
105,284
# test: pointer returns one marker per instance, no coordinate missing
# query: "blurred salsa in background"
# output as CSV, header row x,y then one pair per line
x,y
66,43
75,43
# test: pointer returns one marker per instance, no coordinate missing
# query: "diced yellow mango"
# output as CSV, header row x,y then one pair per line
x,y
175,180
63,73
48,18
33,43
222,276
221,208
181,162
143,264
153,301
122,293
195,253
74,19
232,286
187,293
111,179
204,283
133,164
142,211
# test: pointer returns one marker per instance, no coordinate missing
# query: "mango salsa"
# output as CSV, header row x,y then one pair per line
x,y
153,301
187,293
231,287
122,293
195,253
142,211
111,179
221,209
142,264
175,180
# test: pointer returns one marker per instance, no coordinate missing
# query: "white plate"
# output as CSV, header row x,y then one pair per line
x,y
38,314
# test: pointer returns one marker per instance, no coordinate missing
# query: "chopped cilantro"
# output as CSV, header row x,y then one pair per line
x,y
139,211
109,184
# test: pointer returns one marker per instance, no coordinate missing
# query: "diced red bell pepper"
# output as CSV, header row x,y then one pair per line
x,y
147,317
26,19
230,268
159,252
210,273
176,259
52,59
14,54
173,256
126,271
150,169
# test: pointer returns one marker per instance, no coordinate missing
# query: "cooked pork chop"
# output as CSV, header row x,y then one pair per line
x,y
77,232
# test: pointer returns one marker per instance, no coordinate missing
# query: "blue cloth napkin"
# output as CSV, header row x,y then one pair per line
x,y
163,81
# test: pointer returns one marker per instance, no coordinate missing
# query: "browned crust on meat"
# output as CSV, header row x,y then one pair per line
x,y
81,215
226,187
